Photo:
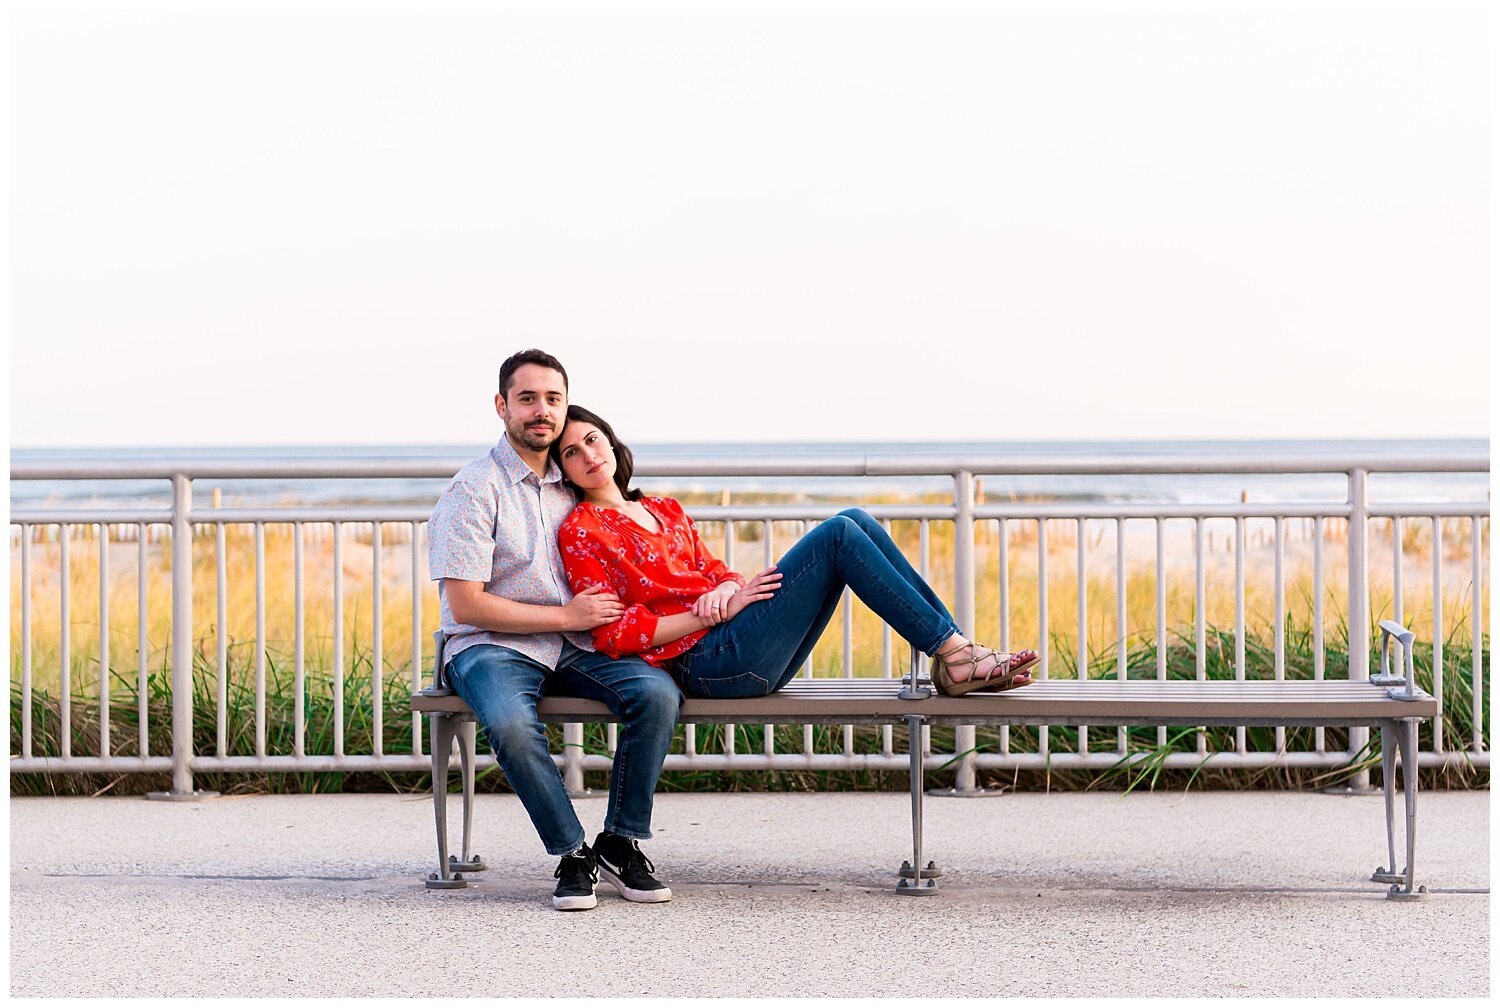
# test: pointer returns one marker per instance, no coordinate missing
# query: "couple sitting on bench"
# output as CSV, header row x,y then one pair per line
x,y
611,596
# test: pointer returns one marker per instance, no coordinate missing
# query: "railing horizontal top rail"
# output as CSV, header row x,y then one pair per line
x,y
773,512
861,464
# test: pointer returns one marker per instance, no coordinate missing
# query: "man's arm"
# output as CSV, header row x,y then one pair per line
x,y
471,604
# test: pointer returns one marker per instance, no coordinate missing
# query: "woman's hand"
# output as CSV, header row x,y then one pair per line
x,y
712,607
759,588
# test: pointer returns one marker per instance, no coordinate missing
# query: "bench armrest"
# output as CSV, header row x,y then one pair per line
x,y
1391,630
440,686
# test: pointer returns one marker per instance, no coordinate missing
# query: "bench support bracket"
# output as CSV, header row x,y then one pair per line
x,y
917,879
1400,736
444,731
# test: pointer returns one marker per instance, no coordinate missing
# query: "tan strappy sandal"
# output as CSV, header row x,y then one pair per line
x,y
997,677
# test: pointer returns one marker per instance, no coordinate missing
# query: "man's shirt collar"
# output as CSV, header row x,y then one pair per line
x,y
515,468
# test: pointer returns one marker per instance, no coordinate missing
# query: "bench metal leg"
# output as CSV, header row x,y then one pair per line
x,y
468,861
443,730
1407,733
1388,746
916,880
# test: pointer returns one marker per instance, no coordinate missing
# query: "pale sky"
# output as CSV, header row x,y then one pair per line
x,y
332,227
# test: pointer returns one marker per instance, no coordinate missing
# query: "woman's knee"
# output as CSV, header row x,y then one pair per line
x,y
655,698
839,527
860,517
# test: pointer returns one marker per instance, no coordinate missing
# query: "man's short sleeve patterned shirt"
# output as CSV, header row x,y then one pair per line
x,y
497,523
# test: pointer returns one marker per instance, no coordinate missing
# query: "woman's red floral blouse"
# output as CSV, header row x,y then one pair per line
x,y
654,574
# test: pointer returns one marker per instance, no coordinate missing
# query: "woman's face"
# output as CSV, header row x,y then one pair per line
x,y
588,459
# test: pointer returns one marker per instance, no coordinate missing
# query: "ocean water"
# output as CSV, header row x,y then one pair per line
x,y
1184,488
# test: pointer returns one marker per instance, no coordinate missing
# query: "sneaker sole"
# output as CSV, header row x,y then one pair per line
x,y
661,895
574,902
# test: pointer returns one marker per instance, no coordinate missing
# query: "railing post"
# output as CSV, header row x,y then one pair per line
x,y
182,647
1359,616
966,784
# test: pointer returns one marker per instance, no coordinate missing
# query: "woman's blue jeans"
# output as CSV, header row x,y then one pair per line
x,y
761,649
503,686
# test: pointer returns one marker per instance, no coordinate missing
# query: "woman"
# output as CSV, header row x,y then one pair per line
x,y
722,635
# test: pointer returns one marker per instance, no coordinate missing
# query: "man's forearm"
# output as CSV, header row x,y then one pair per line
x,y
491,612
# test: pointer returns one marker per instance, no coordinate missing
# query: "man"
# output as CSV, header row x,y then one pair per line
x,y
516,631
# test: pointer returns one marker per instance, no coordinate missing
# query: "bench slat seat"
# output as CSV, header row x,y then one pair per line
x,y
1330,703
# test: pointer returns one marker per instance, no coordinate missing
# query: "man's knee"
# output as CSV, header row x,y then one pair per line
x,y
512,728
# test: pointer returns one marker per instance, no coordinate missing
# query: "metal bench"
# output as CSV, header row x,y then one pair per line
x,y
1390,701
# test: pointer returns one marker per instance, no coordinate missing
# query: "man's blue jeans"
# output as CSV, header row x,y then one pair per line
x,y
761,649
503,686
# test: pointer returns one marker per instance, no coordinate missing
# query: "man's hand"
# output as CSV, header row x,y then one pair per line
x,y
759,588
593,607
712,607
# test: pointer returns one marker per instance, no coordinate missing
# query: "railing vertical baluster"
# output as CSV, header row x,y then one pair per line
x,y
885,641
377,641
1003,562
1279,636
1359,607
338,638
728,747
1003,537
1082,659
1122,658
104,639
260,639
142,691
1397,562
1239,617
1477,541
846,603
65,644
807,666
221,708
967,781
1437,631
1161,612
299,671
1319,659
1044,640
1200,636
416,636
768,558
26,642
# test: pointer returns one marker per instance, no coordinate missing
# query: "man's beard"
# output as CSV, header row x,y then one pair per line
x,y
535,439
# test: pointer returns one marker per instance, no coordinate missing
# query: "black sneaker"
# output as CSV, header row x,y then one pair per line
x,y
624,866
576,874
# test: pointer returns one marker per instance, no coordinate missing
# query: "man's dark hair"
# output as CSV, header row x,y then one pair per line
x,y
624,460
518,360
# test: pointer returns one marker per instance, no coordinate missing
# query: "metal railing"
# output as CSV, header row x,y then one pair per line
x,y
1001,523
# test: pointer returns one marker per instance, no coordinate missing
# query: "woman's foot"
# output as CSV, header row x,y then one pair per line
x,y
967,667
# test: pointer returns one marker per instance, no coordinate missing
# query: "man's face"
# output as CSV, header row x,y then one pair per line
x,y
534,407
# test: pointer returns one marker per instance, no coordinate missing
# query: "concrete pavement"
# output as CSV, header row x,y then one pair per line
x,y
1220,893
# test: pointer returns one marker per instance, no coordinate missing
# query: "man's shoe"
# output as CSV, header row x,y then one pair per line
x,y
576,874
624,866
